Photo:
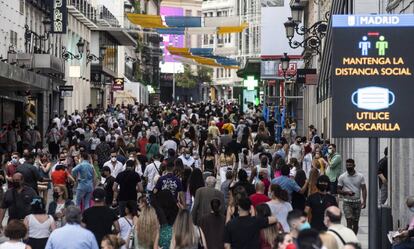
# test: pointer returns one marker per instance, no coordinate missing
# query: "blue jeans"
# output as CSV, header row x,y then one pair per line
x,y
408,244
83,196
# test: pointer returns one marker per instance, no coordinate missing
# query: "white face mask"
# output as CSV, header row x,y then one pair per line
x,y
113,159
330,151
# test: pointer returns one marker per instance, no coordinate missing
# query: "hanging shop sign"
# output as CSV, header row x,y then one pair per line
x,y
118,84
59,17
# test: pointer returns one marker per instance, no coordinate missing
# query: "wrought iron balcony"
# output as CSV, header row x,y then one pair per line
x,y
84,12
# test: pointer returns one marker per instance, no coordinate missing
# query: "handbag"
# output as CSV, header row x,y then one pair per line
x,y
131,242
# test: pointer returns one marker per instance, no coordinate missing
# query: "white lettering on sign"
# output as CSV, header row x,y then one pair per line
x,y
57,16
379,20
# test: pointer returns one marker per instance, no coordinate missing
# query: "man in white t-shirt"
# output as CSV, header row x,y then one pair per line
x,y
152,172
115,165
168,144
295,150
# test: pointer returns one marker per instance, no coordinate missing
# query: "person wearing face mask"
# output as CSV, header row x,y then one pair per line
x,y
318,202
297,221
115,165
17,200
334,168
350,185
11,168
132,156
262,170
295,150
187,159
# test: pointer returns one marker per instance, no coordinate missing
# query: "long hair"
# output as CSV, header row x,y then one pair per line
x,y
269,233
195,181
147,227
183,231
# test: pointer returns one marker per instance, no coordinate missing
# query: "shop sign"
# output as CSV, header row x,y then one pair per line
x,y
118,84
59,17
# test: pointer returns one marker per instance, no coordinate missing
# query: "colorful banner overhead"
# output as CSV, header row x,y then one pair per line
x,y
204,56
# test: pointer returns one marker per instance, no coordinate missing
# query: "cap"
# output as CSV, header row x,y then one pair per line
x,y
311,126
291,246
98,194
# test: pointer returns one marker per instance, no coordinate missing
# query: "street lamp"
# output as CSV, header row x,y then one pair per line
x,y
81,46
290,26
313,35
91,57
285,60
66,55
297,12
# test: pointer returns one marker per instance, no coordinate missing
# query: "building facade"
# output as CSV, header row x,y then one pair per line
x,y
222,13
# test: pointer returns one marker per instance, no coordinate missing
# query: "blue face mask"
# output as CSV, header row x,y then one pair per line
x,y
304,226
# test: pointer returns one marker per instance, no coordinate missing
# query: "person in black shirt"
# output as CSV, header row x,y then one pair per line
x,y
108,185
235,147
129,183
318,202
383,177
17,199
99,219
243,181
30,173
243,232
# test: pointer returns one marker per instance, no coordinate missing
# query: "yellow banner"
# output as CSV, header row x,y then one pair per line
x,y
146,21
232,29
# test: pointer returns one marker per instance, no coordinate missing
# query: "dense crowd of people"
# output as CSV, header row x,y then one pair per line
x,y
176,176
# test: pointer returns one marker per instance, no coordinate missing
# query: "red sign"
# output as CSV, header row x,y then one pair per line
x,y
118,84
311,79
291,71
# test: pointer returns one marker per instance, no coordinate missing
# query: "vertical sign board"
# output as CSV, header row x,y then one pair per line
x,y
372,76
59,17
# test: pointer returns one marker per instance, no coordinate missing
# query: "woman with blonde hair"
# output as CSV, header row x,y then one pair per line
x,y
146,230
328,240
262,132
111,241
185,234
313,176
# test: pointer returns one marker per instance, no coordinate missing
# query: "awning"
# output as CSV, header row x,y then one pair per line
x,y
146,21
183,21
232,29
124,97
171,31
120,35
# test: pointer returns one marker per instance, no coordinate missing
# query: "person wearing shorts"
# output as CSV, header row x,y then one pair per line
x,y
351,185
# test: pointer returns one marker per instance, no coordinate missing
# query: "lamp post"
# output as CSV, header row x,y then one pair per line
x,y
91,57
313,35
66,55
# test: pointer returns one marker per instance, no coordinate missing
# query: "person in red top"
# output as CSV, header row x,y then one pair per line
x,y
60,176
11,168
259,197
142,143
